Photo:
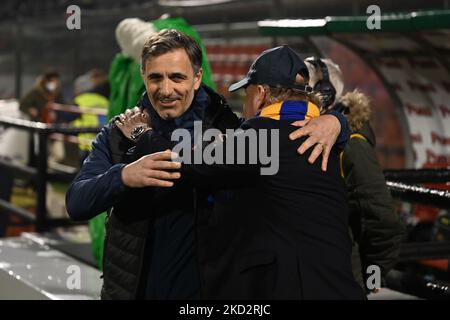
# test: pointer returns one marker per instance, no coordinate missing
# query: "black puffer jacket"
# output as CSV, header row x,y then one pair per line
x,y
376,228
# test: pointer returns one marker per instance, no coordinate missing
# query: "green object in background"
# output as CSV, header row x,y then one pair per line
x,y
126,84
126,89
97,232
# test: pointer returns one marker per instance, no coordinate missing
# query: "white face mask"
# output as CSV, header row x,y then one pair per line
x,y
51,86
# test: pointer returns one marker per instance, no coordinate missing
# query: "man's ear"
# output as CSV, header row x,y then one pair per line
x,y
261,95
198,79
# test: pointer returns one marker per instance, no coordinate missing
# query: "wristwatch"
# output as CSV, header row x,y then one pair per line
x,y
137,132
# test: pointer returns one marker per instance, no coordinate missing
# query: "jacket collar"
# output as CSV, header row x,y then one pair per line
x,y
195,112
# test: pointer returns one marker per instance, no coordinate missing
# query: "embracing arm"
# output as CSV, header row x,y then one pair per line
x,y
344,133
98,185
324,132
221,167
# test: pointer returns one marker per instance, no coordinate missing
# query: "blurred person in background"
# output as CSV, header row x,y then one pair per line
x,y
100,81
36,103
376,228
92,94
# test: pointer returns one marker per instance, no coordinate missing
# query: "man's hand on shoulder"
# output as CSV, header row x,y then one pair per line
x,y
322,131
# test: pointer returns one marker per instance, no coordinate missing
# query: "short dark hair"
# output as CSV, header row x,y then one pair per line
x,y
168,40
50,75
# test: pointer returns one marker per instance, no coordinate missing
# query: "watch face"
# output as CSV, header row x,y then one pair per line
x,y
137,129
136,132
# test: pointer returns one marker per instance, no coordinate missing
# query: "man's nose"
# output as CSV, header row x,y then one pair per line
x,y
166,87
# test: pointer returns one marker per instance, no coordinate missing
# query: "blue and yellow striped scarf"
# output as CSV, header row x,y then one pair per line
x,y
290,110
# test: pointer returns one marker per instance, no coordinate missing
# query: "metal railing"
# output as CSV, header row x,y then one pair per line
x,y
40,174
418,175
418,194
403,185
